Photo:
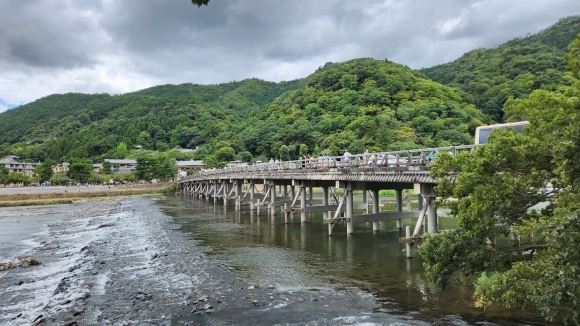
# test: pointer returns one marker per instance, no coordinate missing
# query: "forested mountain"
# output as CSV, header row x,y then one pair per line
x,y
515,68
358,104
59,115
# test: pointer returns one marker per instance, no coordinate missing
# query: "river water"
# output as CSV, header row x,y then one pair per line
x,y
150,260
266,249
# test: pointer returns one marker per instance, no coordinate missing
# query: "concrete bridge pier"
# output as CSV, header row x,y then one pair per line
x,y
311,198
428,191
399,206
302,202
252,196
376,209
238,184
326,214
214,193
349,208
272,205
226,192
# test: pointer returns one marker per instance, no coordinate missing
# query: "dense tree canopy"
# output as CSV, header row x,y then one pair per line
x,y
513,69
528,184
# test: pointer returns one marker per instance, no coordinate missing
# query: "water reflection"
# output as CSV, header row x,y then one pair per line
x,y
278,249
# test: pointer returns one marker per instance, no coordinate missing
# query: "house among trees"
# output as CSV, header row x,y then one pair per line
x,y
13,165
122,166
61,167
193,166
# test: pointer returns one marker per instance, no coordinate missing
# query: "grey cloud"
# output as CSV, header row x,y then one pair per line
x,y
47,34
129,43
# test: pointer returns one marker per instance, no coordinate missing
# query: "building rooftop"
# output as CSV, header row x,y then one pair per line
x,y
116,161
190,163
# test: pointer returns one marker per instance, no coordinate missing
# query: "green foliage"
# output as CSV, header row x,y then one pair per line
x,y
59,178
80,170
513,69
494,190
122,150
155,167
107,168
3,174
44,170
17,178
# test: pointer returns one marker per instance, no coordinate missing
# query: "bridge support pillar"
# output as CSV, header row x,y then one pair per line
x,y
376,209
365,203
238,185
409,246
399,206
302,203
432,217
428,191
251,196
310,197
349,208
226,192
326,214
272,205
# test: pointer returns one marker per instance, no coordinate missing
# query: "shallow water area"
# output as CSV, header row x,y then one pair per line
x,y
176,261
296,256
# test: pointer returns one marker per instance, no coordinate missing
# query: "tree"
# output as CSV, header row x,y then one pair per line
x,y
15,177
493,191
122,150
155,167
58,178
303,149
107,168
246,156
80,170
44,170
3,174
146,166
225,154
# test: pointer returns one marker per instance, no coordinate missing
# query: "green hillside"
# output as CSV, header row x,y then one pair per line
x,y
60,115
359,104
515,68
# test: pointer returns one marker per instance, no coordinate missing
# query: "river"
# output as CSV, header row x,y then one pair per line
x,y
296,256
169,260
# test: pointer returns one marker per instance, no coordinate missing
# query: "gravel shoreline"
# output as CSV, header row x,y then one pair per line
x,y
121,262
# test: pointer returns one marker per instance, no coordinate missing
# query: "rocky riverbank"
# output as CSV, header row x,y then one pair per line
x,y
122,262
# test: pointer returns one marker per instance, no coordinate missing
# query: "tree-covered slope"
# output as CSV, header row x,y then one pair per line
x,y
61,115
358,104
515,68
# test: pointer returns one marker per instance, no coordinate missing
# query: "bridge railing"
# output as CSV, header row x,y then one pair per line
x,y
383,160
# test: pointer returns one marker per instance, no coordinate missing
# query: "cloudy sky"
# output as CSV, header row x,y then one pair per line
x,y
118,46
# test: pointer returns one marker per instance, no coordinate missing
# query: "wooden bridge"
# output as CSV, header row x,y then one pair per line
x,y
289,186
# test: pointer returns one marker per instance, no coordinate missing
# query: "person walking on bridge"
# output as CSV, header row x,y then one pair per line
x,y
346,157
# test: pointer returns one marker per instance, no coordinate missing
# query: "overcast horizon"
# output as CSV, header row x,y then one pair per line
x,y
104,46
